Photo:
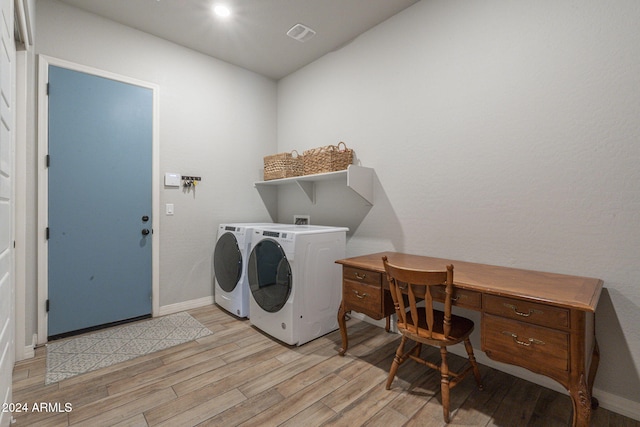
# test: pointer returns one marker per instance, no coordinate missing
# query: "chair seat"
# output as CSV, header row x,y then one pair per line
x,y
461,328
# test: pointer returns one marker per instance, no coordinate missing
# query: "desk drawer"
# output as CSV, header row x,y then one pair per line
x,y
530,312
363,276
536,348
461,297
363,298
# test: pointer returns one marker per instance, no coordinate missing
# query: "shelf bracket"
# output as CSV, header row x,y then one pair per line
x,y
309,189
360,180
269,197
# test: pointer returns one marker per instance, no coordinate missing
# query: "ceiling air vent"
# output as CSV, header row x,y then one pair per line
x,y
300,32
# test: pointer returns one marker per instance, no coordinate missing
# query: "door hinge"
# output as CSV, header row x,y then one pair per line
x,y
47,233
47,160
47,88
47,306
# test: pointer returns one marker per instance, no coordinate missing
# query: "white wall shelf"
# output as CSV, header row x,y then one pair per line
x,y
357,178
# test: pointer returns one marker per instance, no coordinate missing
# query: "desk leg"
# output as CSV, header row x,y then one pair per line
x,y
581,399
581,393
342,324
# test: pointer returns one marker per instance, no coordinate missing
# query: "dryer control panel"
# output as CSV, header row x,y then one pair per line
x,y
284,239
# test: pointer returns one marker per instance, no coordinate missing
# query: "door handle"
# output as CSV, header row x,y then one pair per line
x,y
145,231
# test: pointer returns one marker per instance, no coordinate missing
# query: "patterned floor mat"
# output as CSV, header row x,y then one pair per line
x,y
74,356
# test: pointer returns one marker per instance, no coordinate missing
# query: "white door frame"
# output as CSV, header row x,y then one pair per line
x,y
20,225
43,183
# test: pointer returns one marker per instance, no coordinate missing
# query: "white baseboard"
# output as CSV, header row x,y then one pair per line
x,y
28,352
380,323
618,404
186,305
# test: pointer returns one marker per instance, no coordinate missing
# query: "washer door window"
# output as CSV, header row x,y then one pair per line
x,y
227,262
269,275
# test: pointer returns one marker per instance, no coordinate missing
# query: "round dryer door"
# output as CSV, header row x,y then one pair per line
x,y
227,262
269,275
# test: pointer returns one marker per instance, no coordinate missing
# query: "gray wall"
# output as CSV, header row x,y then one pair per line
x,y
217,121
501,132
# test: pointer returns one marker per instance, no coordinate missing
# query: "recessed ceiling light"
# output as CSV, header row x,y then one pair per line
x,y
221,10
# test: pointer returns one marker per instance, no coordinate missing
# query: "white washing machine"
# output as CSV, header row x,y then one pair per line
x,y
295,285
230,266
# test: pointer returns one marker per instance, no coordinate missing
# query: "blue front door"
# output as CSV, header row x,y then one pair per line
x,y
100,190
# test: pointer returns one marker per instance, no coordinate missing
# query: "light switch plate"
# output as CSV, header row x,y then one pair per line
x,y
172,179
169,209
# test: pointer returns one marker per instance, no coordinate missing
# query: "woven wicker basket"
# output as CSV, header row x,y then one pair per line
x,y
283,165
330,158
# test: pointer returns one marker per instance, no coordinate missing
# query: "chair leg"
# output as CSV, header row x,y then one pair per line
x,y
474,364
397,360
418,349
444,383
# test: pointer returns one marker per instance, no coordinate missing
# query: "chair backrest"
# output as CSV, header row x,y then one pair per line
x,y
416,285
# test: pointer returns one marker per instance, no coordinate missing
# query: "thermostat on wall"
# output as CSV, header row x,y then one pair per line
x,y
172,179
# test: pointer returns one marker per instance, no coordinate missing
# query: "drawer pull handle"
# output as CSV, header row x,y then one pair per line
x,y
359,295
520,313
526,343
360,276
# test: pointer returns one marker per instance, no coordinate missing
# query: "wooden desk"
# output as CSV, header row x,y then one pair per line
x,y
544,322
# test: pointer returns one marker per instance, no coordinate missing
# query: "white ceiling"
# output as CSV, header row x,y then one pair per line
x,y
254,37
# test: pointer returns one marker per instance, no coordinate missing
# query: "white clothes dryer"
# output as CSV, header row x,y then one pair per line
x,y
295,285
231,289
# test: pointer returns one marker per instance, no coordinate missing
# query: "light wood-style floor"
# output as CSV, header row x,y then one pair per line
x,y
239,376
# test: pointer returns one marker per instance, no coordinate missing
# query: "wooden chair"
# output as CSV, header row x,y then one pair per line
x,y
425,325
